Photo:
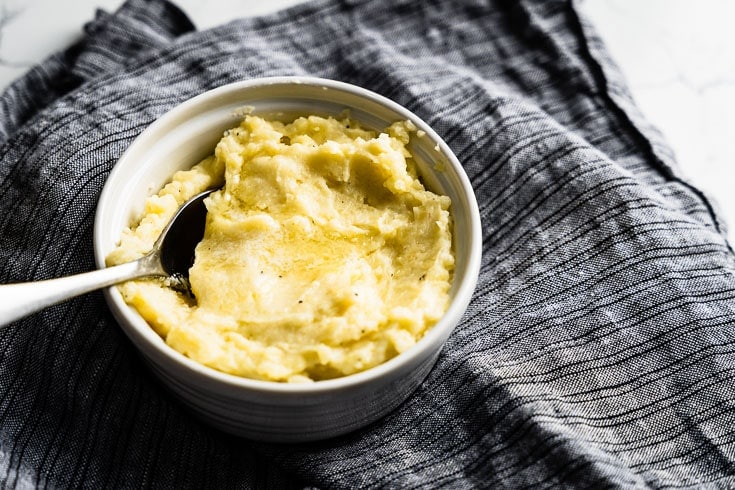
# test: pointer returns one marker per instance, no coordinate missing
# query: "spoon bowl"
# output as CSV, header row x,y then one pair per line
x,y
171,255
175,246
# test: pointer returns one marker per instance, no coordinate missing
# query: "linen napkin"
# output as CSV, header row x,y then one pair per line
x,y
598,349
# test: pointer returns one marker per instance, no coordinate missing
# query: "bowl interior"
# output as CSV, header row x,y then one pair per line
x,y
190,132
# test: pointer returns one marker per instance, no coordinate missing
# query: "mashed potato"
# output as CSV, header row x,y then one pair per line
x,y
323,253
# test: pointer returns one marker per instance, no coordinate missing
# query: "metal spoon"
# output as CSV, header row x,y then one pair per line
x,y
172,255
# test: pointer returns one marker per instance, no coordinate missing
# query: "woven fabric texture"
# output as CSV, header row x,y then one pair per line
x,y
599,347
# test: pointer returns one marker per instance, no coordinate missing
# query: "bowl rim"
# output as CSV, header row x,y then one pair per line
x,y
436,334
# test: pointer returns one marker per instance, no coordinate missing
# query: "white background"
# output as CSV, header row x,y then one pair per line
x,y
677,55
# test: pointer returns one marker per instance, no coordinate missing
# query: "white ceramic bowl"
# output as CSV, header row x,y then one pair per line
x,y
260,409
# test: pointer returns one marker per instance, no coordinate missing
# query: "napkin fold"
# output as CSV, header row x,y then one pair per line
x,y
598,349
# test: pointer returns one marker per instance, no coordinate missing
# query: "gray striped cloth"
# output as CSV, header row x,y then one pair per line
x,y
598,350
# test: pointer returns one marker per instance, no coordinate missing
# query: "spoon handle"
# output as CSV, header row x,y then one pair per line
x,y
21,299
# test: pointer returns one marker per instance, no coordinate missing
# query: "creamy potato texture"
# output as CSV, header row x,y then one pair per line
x,y
323,254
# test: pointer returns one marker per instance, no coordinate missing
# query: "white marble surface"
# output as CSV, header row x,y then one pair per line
x,y
677,56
